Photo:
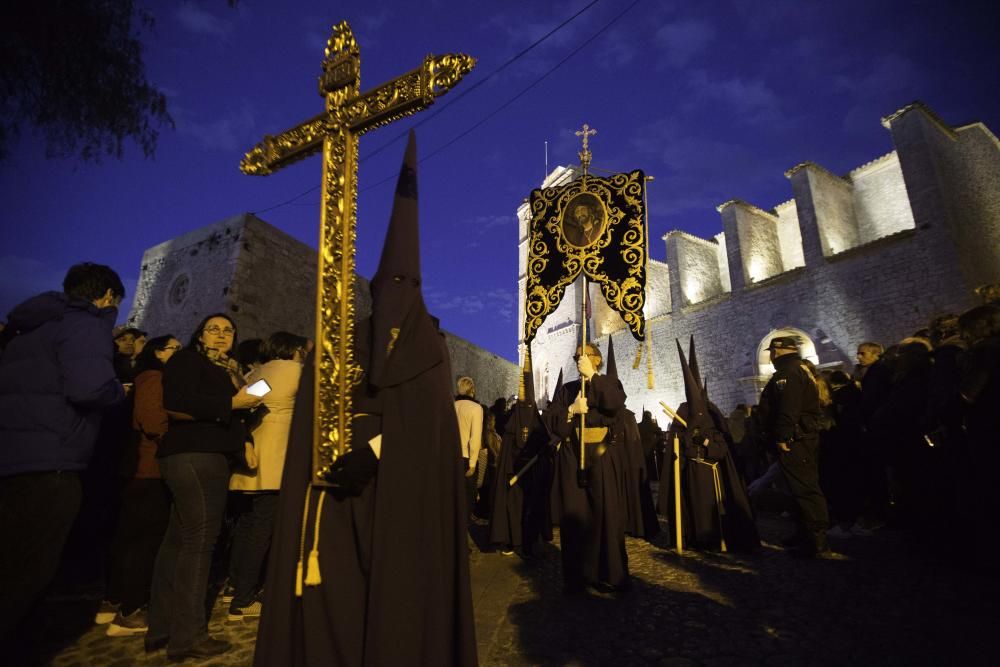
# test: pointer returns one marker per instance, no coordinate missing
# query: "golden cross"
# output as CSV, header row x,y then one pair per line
x,y
349,114
585,156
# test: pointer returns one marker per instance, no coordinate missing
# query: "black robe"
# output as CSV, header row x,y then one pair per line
x,y
699,507
591,519
520,514
394,561
641,518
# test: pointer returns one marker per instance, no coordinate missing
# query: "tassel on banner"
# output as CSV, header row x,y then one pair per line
x,y
638,357
650,381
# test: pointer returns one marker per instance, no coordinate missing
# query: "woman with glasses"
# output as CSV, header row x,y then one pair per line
x,y
203,392
145,501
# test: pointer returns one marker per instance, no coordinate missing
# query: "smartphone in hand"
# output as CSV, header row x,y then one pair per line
x,y
259,388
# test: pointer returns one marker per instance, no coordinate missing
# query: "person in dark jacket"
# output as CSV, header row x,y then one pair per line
x,y
56,376
790,414
203,393
145,500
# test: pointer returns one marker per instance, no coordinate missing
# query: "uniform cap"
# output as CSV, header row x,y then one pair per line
x,y
784,343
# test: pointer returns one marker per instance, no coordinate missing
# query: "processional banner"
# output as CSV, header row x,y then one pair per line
x,y
594,225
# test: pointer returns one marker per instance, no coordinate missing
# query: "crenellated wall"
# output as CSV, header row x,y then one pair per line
x,y
757,241
873,255
695,267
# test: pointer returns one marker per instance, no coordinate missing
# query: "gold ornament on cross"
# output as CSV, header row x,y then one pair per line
x,y
349,114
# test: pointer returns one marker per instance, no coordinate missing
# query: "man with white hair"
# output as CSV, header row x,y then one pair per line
x,y
470,429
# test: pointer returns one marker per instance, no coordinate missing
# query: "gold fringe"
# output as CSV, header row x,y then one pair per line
x,y
638,356
313,577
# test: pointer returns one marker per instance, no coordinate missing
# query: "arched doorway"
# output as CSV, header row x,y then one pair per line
x,y
807,349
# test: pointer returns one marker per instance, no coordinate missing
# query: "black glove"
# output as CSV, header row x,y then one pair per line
x,y
352,471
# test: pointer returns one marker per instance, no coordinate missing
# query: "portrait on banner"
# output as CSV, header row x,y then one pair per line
x,y
583,220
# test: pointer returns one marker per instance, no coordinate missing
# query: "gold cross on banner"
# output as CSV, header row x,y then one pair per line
x,y
585,155
349,114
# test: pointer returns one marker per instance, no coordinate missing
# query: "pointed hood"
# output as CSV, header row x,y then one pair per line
x,y
693,361
404,339
692,389
611,368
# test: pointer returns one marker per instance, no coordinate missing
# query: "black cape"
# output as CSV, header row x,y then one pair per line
x,y
591,519
521,512
699,507
641,518
394,562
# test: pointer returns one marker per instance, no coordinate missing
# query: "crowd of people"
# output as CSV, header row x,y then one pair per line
x,y
158,446
157,459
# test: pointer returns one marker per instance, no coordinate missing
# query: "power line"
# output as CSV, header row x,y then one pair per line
x,y
427,117
506,104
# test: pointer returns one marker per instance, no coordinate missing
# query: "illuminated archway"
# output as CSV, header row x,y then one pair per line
x,y
807,349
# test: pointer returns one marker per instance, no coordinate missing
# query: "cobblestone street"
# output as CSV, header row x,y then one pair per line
x,y
885,602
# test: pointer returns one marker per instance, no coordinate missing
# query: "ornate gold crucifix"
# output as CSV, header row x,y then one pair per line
x,y
585,155
349,114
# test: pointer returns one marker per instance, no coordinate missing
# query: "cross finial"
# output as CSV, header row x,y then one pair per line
x,y
586,133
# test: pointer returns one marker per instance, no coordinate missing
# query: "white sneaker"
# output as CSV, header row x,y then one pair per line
x,y
106,612
125,626
839,532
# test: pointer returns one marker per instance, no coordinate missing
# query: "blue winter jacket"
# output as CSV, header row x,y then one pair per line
x,y
56,375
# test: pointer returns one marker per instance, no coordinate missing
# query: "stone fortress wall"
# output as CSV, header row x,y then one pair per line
x,y
872,255
266,281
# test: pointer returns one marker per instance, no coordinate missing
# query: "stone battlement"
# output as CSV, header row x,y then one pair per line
x,y
871,255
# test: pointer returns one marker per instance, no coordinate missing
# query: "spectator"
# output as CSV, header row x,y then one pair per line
x,y
129,342
470,427
249,354
56,376
145,500
202,391
868,354
283,353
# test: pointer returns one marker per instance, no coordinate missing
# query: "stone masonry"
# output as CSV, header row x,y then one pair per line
x,y
266,280
872,255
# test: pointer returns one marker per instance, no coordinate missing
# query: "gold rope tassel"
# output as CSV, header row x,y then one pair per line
x,y
313,577
302,544
638,357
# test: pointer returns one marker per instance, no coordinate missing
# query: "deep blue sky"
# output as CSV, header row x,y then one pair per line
x,y
714,99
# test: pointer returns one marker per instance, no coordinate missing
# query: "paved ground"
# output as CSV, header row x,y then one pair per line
x,y
887,602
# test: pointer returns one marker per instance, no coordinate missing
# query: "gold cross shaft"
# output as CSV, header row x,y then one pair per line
x,y
349,114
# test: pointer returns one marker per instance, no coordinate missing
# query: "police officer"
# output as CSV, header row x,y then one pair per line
x,y
790,415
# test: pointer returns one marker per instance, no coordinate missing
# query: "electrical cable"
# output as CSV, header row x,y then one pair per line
x,y
453,100
513,99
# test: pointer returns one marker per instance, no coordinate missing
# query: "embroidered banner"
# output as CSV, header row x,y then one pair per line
x,y
594,225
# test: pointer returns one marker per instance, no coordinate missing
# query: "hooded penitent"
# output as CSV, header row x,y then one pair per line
x,y
394,584
715,505
640,512
520,512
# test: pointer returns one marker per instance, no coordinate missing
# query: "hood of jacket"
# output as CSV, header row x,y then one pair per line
x,y
46,307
